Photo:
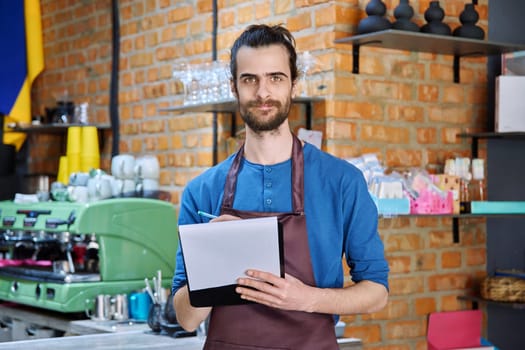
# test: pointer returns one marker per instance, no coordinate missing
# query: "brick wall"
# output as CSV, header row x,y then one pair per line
x,y
402,106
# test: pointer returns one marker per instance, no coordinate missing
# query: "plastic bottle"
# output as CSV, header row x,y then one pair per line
x,y
477,184
464,194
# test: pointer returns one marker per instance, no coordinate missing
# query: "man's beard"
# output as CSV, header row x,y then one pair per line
x,y
257,125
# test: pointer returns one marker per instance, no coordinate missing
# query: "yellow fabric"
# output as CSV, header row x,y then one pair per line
x,y
21,111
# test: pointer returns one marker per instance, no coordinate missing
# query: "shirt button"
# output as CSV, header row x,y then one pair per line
x,y
268,201
268,170
268,184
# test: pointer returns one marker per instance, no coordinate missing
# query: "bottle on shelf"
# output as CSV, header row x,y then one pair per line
x,y
464,195
477,184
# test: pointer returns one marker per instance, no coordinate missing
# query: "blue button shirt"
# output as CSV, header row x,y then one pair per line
x,y
341,217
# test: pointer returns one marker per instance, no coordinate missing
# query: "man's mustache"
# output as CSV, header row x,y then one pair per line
x,y
259,103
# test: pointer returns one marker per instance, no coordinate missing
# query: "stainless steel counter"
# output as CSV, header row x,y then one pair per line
x,y
109,341
91,335
132,340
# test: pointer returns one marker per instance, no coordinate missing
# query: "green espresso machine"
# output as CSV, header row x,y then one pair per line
x,y
60,255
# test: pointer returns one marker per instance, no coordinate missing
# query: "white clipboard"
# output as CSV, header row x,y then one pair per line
x,y
216,254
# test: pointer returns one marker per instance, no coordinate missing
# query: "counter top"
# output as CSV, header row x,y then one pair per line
x,y
99,335
130,340
109,341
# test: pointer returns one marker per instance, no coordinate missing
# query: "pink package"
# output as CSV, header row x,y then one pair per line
x,y
430,202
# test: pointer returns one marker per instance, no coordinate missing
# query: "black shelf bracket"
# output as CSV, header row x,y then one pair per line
x,y
355,58
455,230
356,48
456,68
474,147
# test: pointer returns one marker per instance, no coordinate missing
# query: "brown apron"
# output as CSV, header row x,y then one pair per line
x,y
256,326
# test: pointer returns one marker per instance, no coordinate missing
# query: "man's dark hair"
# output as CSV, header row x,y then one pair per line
x,y
258,35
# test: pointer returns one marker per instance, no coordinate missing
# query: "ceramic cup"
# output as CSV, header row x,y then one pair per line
x,y
123,166
139,305
99,187
149,185
78,179
123,188
147,167
79,194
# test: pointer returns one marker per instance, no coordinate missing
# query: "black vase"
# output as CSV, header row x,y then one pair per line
x,y
375,21
468,28
403,13
434,16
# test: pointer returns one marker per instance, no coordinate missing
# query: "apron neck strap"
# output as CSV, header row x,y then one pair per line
x,y
297,177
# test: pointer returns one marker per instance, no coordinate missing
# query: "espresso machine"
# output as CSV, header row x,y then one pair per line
x,y
60,255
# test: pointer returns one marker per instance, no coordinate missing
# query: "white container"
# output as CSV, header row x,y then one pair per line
x,y
510,103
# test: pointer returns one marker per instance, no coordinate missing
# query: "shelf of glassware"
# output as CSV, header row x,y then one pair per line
x,y
424,42
226,106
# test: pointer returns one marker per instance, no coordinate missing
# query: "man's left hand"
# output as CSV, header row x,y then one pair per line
x,y
286,293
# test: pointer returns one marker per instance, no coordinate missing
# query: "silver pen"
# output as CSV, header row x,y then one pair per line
x,y
206,215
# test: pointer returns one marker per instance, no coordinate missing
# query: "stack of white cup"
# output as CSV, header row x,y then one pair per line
x,y
147,173
123,170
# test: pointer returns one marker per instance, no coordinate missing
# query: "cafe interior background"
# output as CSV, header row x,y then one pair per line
x,y
403,106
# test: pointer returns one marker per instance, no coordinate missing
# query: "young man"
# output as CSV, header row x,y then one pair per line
x,y
321,201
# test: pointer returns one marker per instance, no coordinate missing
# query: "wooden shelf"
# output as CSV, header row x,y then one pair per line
x,y
431,43
476,299
52,128
476,136
59,129
494,135
228,106
422,42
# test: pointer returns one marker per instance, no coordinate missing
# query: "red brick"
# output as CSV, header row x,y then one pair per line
x,y
299,22
399,264
447,281
425,306
405,329
403,242
426,135
395,309
405,158
451,260
405,285
476,256
370,333
426,261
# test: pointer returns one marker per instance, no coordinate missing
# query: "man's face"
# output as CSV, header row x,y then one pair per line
x,y
264,86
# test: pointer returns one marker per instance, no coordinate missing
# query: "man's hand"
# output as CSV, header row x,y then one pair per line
x,y
287,293
225,217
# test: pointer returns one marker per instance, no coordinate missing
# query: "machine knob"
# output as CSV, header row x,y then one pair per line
x,y
14,287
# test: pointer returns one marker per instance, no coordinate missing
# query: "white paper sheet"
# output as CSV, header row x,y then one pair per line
x,y
217,253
